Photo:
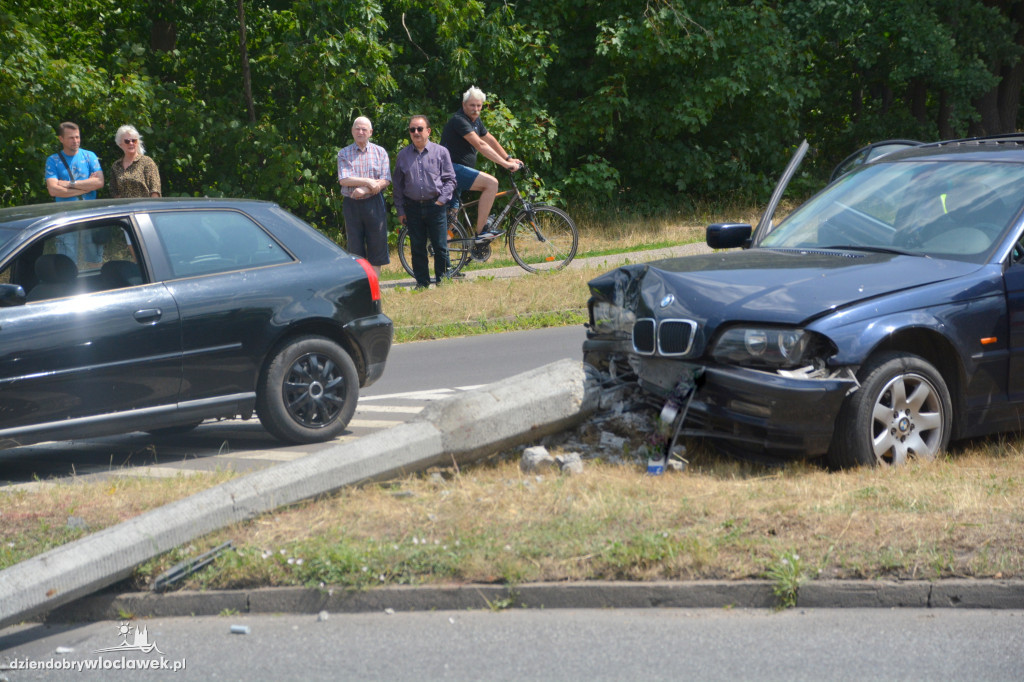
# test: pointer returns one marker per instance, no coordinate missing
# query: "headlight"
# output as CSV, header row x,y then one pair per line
x,y
762,347
608,318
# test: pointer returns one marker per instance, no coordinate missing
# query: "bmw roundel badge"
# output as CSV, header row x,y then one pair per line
x,y
668,300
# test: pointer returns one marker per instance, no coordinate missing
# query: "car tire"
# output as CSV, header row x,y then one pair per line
x,y
308,392
901,411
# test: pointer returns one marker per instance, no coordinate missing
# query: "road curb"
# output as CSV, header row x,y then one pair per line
x,y
756,594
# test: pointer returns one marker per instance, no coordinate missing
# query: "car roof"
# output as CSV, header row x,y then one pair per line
x,y
100,207
20,222
1006,148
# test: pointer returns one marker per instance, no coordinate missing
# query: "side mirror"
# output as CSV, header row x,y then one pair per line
x,y
11,295
728,235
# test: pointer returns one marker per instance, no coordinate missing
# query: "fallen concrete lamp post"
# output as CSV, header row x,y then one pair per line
x,y
462,429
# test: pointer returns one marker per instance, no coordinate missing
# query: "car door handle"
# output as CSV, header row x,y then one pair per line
x,y
148,316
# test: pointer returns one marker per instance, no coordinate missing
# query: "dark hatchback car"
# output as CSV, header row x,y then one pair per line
x,y
877,321
155,315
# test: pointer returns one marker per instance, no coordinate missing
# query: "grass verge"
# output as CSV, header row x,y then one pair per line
x,y
489,305
608,233
959,516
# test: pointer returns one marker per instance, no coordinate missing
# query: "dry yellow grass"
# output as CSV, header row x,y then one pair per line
x,y
959,516
438,311
605,233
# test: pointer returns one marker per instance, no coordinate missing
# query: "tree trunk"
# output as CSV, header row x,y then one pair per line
x,y
246,77
918,93
988,107
946,131
163,36
1012,78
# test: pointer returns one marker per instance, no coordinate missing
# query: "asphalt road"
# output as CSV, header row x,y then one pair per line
x,y
416,374
556,644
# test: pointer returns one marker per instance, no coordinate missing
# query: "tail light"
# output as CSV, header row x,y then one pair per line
x,y
371,275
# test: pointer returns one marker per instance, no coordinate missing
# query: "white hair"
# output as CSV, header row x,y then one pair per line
x,y
126,130
362,118
473,93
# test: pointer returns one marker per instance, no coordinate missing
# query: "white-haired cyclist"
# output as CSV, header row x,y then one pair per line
x,y
465,136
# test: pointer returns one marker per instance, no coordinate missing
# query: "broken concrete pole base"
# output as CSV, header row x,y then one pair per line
x,y
463,428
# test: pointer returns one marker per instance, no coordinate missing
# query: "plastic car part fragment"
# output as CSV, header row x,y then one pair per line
x,y
673,412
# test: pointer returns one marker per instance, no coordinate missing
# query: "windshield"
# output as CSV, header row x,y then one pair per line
x,y
944,209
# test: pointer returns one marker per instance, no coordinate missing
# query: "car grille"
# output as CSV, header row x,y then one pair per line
x,y
667,337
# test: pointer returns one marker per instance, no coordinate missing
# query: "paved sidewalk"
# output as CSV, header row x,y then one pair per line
x,y
609,262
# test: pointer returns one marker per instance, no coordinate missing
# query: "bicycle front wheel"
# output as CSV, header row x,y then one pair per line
x,y
543,238
458,251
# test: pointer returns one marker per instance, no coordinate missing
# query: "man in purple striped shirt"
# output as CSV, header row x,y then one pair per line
x,y
364,172
424,182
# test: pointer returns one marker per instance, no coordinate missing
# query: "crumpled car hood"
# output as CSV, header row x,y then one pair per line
x,y
765,285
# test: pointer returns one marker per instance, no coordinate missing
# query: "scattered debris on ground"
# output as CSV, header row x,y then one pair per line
x,y
625,430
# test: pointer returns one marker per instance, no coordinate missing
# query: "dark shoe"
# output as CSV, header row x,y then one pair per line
x,y
488,233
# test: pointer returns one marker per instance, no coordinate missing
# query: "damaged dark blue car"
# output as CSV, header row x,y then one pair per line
x,y
878,321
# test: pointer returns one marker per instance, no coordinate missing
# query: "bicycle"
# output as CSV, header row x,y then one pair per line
x,y
540,237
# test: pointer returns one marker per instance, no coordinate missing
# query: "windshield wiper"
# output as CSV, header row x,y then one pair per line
x,y
873,249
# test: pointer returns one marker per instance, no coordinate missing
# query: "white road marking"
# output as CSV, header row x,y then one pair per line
x,y
403,409
373,423
432,394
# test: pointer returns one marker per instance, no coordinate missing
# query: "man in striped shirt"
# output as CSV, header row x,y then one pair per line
x,y
364,171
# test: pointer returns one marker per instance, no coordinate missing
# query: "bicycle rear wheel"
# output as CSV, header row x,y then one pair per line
x,y
458,248
458,251
543,238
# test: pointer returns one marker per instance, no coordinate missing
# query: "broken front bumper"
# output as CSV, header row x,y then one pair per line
x,y
751,411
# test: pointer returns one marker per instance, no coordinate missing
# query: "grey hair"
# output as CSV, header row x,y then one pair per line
x,y
362,118
473,93
129,130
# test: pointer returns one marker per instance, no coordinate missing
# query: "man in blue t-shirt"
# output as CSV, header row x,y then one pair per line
x,y
464,135
74,173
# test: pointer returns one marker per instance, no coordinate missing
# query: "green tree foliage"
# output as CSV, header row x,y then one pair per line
x,y
649,103
889,68
666,98
49,72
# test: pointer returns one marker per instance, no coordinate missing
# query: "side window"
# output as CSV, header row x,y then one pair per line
x,y
207,242
84,259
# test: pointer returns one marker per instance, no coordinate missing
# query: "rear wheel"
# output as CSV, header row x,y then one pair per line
x,y
458,249
901,411
308,392
543,238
